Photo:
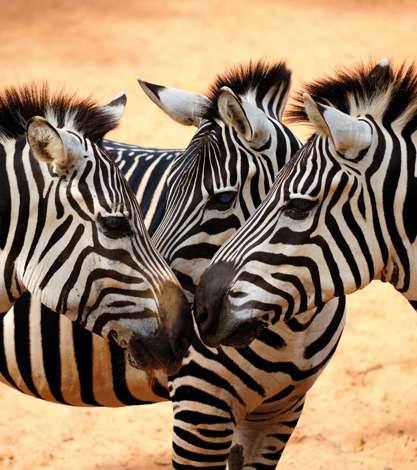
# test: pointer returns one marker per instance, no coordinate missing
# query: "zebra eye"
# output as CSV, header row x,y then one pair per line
x,y
299,208
221,201
115,226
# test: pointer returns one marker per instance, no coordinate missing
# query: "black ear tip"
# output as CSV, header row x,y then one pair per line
x,y
123,99
150,87
119,100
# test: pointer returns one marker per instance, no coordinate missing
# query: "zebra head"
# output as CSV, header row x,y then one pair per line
x,y
229,165
72,233
340,214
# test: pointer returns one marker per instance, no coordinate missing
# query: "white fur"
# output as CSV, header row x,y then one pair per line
x,y
51,145
116,106
247,119
384,62
45,141
185,107
349,134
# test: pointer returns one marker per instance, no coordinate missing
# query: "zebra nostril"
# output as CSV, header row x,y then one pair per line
x,y
206,321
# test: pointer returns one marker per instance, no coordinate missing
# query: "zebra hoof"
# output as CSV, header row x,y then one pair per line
x,y
235,461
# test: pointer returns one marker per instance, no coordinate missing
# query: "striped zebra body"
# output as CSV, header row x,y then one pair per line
x,y
72,233
146,170
78,368
226,396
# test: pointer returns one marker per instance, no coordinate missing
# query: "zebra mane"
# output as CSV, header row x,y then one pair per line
x,y
253,81
18,105
376,89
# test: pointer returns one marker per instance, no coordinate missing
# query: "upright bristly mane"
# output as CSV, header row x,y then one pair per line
x,y
387,94
253,81
18,105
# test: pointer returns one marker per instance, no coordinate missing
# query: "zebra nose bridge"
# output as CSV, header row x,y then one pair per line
x,y
210,297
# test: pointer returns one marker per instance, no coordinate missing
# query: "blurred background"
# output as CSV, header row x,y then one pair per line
x,y
362,412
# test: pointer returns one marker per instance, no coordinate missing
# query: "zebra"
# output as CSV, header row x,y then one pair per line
x,y
340,213
72,233
146,170
224,173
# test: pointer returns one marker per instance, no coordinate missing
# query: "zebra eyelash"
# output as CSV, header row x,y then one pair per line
x,y
298,207
115,225
221,201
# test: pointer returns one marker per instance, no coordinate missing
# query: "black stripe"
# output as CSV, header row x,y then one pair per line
x,y
83,348
231,366
199,371
328,334
199,418
50,335
63,256
57,235
21,223
190,393
42,208
118,366
84,187
196,457
22,341
5,200
284,393
377,160
192,439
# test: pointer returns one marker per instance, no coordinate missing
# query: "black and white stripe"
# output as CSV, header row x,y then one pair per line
x,y
211,189
339,215
72,233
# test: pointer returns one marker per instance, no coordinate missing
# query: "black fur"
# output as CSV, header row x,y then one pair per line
x,y
364,85
18,105
259,76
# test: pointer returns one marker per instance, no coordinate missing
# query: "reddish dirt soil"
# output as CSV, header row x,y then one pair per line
x,y
362,412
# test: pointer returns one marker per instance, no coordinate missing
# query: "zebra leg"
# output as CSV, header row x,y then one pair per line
x,y
262,436
202,436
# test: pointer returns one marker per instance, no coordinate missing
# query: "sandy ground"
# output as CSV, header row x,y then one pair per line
x,y
361,414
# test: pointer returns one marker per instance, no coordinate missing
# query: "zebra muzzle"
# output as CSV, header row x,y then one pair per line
x,y
153,354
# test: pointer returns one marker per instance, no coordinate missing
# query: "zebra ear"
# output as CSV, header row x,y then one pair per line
x,y
182,106
51,145
349,134
247,120
115,108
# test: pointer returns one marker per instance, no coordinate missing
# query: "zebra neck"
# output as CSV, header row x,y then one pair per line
x,y
18,189
402,274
